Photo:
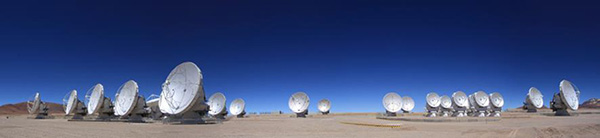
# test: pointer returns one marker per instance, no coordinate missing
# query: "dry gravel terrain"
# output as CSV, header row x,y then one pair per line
x,y
339,125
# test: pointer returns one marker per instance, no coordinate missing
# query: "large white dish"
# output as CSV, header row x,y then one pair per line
x,y
460,99
237,106
535,97
433,99
481,98
496,99
94,98
34,104
569,94
299,102
407,103
392,102
216,103
446,102
126,98
182,89
69,102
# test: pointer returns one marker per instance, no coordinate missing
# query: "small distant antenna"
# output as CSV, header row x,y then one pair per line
x,y
298,103
37,108
567,98
237,107
324,105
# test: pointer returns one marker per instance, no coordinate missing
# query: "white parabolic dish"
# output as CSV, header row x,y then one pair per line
x,y
126,98
299,102
407,103
535,97
496,99
217,103
481,98
460,99
392,102
446,102
181,89
324,105
69,104
237,106
569,94
433,99
94,98
32,106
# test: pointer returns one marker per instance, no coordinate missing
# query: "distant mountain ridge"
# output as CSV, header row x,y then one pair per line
x,y
591,103
21,108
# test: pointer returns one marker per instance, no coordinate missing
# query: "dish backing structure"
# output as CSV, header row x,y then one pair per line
x,y
152,107
182,99
37,107
566,99
298,103
392,102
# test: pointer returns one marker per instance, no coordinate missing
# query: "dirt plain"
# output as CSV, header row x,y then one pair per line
x,y
512,124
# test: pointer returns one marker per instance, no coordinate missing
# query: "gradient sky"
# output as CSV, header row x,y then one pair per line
x,y
349,52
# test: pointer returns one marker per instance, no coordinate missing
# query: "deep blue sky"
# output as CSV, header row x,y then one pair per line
x,y
349,52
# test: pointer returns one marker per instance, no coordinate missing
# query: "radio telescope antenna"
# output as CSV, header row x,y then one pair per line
x,y
481,101
446,104
534,100
36,107
497,101
460,103
237,107
152,107
129,104
74,106
324,105
567,98
407,104
298,103
98,104
392,102
433,104
182,98
216,104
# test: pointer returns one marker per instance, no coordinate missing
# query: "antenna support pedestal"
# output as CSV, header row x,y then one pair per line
x,y
558,106
325,113
387,113
302,115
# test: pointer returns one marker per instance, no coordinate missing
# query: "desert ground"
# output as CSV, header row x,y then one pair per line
x,y
512,124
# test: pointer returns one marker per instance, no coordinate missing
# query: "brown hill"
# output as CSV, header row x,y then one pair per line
x,y
21,108
591,103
